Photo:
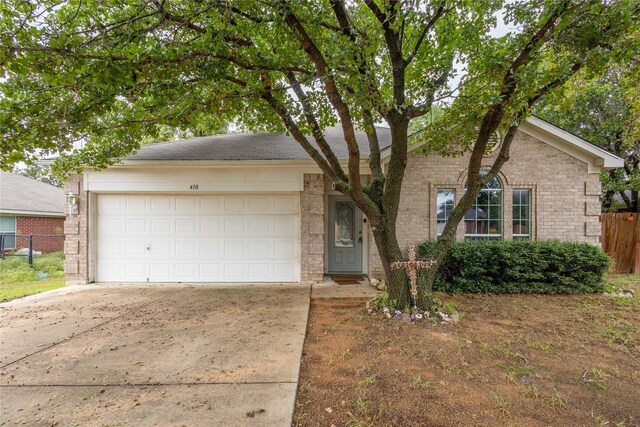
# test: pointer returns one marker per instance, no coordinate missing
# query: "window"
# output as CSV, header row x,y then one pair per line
x,y
344,225
484,219
521,214
8,225
445,202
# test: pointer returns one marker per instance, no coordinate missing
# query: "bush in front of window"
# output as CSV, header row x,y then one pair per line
x,y
520,266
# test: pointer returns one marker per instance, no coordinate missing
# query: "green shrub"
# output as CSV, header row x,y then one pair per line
x,y
17,269
519,266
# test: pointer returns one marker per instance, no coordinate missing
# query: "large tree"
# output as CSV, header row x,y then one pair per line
x,y
107,73
605,110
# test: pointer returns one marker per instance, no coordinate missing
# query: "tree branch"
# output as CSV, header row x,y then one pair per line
x,y
334,96
315,127
428,26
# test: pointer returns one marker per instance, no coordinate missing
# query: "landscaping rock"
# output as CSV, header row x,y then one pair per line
x,y
374,282
443,316
405,317
619,295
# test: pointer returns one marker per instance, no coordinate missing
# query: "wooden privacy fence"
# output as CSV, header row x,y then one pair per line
x,y
621,241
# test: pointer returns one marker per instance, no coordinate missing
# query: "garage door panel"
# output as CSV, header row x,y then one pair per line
x,y
259,272
210,249
285,204
135,271
210,272
185,271
261,249
234,204
185,204
285,226
185,248
110,226
161,226
136,226
289,270
110,248
260,226
210,225
134,248
135,204
159,271
160,204
198,238
233,226
286,248
210,204
234,271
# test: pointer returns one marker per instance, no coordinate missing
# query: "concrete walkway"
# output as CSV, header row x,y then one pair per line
x,y
204,355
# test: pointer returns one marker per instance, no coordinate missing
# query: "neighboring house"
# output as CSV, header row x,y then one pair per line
x,y
255,208
32,207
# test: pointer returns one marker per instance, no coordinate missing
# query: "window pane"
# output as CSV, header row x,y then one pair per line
x,y
484,219
8,225
521,213
445,201
516,197
344,225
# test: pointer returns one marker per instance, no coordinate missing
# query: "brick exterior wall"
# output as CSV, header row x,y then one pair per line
x,y
312,229
565,201
50,226
76,234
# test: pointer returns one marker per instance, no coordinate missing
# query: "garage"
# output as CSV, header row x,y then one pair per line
x,y
197,238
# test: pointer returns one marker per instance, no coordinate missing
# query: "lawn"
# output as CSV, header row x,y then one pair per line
x,y
520,360
18,279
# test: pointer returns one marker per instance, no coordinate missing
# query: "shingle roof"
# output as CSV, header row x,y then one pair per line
x,y
22,194
251,146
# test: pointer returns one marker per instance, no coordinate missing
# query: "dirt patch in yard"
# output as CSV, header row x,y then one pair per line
x,y
520,360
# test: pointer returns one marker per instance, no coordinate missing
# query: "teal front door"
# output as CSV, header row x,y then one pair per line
x,y
345,236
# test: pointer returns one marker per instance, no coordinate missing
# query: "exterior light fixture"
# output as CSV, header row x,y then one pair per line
x,y
72,203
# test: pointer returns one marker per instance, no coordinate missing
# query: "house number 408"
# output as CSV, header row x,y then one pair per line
x,y
193,186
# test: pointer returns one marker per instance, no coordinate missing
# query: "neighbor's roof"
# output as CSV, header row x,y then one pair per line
x,y
22,195
248,146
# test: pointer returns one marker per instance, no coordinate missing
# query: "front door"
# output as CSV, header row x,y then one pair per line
x,y
345,236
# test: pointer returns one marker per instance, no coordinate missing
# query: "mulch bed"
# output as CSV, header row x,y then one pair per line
x,y
521,360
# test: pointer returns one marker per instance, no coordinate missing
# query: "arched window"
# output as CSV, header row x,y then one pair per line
x,y
484,219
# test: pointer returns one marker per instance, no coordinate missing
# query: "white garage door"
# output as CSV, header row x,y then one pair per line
x,y
205,238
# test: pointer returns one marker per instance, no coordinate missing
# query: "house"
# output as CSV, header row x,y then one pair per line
x,y
31,207
255,208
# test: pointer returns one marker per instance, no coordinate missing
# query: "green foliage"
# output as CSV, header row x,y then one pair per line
x,y
16,268
114,74
519,266
39,173
605,109
494,78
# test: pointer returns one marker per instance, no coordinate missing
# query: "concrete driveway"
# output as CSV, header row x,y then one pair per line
x,y
203,355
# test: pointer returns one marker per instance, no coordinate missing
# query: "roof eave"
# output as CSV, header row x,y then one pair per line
x,y
597,158
20,212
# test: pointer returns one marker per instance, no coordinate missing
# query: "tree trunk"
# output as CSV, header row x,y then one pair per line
x,y
389,250
448,236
